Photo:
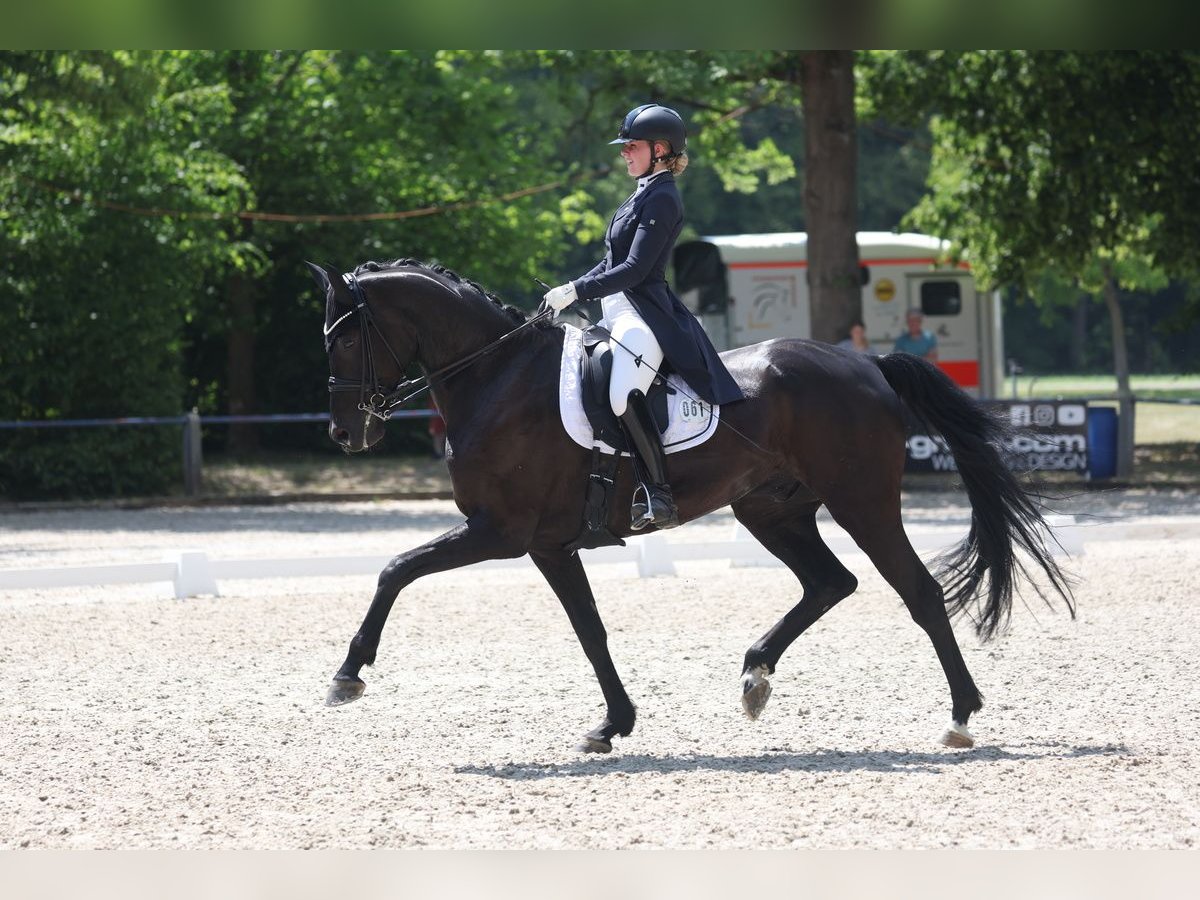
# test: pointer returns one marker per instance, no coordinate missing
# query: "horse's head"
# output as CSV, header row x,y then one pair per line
x,y
368,355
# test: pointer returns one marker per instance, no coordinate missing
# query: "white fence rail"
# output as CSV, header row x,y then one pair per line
x,y
191,572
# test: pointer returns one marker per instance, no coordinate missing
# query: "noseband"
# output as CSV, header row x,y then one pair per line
x,y
374,398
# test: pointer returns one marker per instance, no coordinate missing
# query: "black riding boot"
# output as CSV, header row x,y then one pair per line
x,y
652,500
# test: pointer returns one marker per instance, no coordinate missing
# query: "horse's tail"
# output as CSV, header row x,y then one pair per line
x,y
1004,517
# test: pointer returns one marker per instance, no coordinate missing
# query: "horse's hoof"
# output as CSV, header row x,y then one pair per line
x,y
958,737
344,690
591,744
756,690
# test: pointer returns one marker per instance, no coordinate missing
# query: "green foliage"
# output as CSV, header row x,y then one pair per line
x,y
134,461
92,299
1055,160
1065,330
350,133
746,137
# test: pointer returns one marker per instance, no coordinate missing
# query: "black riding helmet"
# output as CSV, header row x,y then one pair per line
x,y
652,122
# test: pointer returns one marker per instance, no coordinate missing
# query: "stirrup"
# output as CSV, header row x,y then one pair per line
x,y
653,505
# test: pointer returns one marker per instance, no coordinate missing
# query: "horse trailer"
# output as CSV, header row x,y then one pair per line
x,y
747,288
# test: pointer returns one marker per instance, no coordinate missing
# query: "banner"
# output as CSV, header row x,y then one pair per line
x,y
1052,436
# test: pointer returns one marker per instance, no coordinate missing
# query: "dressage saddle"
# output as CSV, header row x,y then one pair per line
x,y
596,371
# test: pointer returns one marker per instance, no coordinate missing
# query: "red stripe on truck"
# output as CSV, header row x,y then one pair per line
x,y
964,373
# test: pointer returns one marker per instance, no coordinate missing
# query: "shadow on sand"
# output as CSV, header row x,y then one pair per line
x,y
767,763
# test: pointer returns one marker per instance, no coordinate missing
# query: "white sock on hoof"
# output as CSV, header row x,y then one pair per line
x,y
957,735
756,676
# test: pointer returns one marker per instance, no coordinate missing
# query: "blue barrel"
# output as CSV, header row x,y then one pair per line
x,y
1102,442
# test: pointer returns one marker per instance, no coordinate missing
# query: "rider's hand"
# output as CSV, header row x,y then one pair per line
x,y
561,297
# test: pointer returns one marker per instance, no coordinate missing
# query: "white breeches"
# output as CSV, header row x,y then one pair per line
x,y
622,319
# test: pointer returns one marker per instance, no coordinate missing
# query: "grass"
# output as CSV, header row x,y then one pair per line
x,y
1144,386
1155,423
1159,423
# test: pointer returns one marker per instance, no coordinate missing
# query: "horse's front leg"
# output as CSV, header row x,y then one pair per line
x,y
473,541
566,577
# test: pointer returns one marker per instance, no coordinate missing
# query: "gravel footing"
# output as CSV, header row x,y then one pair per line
x,y
135,721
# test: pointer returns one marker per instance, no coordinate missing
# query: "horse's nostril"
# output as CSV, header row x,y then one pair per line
x,y
340,436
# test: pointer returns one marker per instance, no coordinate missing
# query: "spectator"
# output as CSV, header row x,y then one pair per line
x,y
917,340
857,339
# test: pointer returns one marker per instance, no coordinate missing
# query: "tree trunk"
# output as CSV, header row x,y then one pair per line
x,y
830,191
1125,412
243,438
1079,333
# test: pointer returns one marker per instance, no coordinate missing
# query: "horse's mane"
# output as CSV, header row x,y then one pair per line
x,y
456,282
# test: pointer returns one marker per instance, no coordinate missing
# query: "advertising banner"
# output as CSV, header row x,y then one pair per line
x,y
1052,436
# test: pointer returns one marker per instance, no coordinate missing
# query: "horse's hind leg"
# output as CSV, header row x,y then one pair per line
x,y
564,572
788,530
873,520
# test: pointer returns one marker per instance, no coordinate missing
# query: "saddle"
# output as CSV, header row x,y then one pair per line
x,y
596,371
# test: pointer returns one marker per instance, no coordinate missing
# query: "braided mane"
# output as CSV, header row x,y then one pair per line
x,y
515,315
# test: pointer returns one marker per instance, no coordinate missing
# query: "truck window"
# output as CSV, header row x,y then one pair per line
x,y
941,298
698,266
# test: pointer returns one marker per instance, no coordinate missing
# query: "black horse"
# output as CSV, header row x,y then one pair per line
x,y
819,425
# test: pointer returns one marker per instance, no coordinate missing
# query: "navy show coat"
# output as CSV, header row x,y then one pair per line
x,y
639,241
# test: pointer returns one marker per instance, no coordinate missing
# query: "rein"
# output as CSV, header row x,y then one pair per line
x,y
373,397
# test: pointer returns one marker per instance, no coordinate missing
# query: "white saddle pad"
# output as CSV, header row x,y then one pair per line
x,y
691,421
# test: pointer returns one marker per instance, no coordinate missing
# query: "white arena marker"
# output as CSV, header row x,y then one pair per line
x,y
655,558
194,575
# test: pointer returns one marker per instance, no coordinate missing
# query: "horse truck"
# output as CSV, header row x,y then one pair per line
x,y
747,288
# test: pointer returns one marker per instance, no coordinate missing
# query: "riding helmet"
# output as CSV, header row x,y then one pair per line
x,y
652,122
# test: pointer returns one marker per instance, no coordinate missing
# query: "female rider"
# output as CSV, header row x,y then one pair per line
x,y
640,309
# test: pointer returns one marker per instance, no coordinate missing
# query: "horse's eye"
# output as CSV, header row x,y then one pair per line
x,y
348,342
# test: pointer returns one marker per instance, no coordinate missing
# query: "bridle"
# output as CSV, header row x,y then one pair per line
x,y
375,398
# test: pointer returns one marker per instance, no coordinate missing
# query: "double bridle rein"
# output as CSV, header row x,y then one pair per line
x,y
374,398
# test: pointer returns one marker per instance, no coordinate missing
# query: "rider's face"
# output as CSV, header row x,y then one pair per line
x,y
637,157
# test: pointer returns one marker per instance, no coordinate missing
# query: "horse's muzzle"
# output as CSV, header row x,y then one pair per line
x,y
339,436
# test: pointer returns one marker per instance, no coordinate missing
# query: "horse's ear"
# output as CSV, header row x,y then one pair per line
x,y
331,282
320,276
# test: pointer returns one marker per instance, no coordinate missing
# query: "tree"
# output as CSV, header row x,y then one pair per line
x,y
138,194
1077,163
831,170
371,137
93,295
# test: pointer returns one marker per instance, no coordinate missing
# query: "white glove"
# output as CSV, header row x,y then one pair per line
x,y
561,297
